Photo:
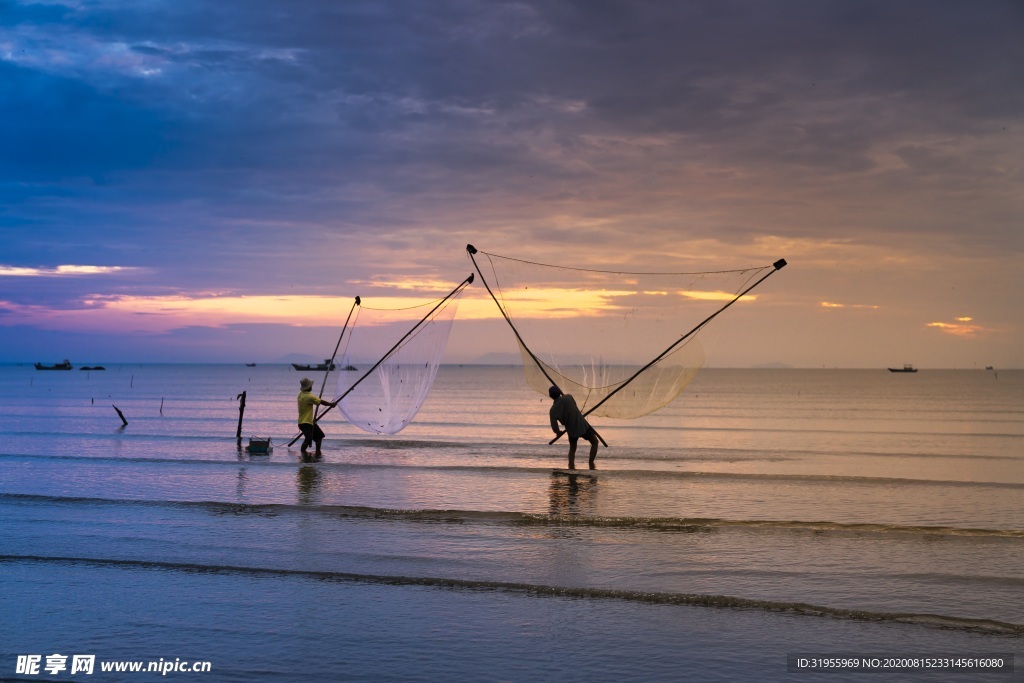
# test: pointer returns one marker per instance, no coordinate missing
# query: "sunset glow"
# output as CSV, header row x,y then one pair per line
x,y
832,304
197,178
716,296
961,328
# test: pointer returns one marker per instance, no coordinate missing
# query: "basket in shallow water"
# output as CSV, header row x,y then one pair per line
x,y
259,445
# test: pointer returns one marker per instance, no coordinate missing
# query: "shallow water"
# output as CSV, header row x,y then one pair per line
x,y
765,512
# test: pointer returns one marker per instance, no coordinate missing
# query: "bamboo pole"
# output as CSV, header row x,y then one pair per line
x,y
330,363
387,355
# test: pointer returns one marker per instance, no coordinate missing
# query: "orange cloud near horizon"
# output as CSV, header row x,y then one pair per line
x,y
161,313
963,327
832,304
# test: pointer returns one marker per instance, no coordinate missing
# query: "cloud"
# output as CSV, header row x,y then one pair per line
x,y
62,271
961,327
716,296
158,314
833,304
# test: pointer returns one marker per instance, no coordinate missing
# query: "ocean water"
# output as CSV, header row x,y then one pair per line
x,y
764,515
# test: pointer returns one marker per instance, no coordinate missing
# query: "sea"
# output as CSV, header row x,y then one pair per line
x,y
769,525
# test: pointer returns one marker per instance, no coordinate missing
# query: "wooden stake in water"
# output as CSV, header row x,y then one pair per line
x,y
241,412
121,415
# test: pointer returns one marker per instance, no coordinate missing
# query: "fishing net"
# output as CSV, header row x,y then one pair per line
x,y
384,393
617,341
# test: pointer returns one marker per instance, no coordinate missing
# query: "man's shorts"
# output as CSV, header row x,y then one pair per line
x,y
589,435
312,432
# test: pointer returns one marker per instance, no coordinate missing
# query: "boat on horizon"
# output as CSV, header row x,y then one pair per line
x,y
906,368
321,367
92,367
326,365
66,365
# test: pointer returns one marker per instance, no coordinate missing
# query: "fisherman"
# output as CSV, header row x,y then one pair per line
x,y
307,422
564,410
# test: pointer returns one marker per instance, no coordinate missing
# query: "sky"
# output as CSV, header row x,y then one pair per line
x,y
196,181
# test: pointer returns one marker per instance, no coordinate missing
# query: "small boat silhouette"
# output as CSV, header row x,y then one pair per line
x,y
906,368
327,364
66,365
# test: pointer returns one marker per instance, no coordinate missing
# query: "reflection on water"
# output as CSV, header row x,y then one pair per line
x,y
572,494
241,483
308,480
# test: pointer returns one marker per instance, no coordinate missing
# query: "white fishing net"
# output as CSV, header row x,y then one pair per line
x,y
387,397
591,331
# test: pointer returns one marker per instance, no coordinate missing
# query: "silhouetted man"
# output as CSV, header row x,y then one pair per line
x,y
564,410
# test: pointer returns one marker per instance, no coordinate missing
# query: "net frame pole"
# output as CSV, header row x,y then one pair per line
x,y
330,363
462,285
471,250
778,265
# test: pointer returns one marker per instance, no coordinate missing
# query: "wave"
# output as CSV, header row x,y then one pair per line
x,y
511,451
819,478
852,431
353,440
280,440
606,474
986,626
670,455
526,448
512,518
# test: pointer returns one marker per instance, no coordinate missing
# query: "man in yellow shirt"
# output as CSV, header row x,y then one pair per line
x,y
307,421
